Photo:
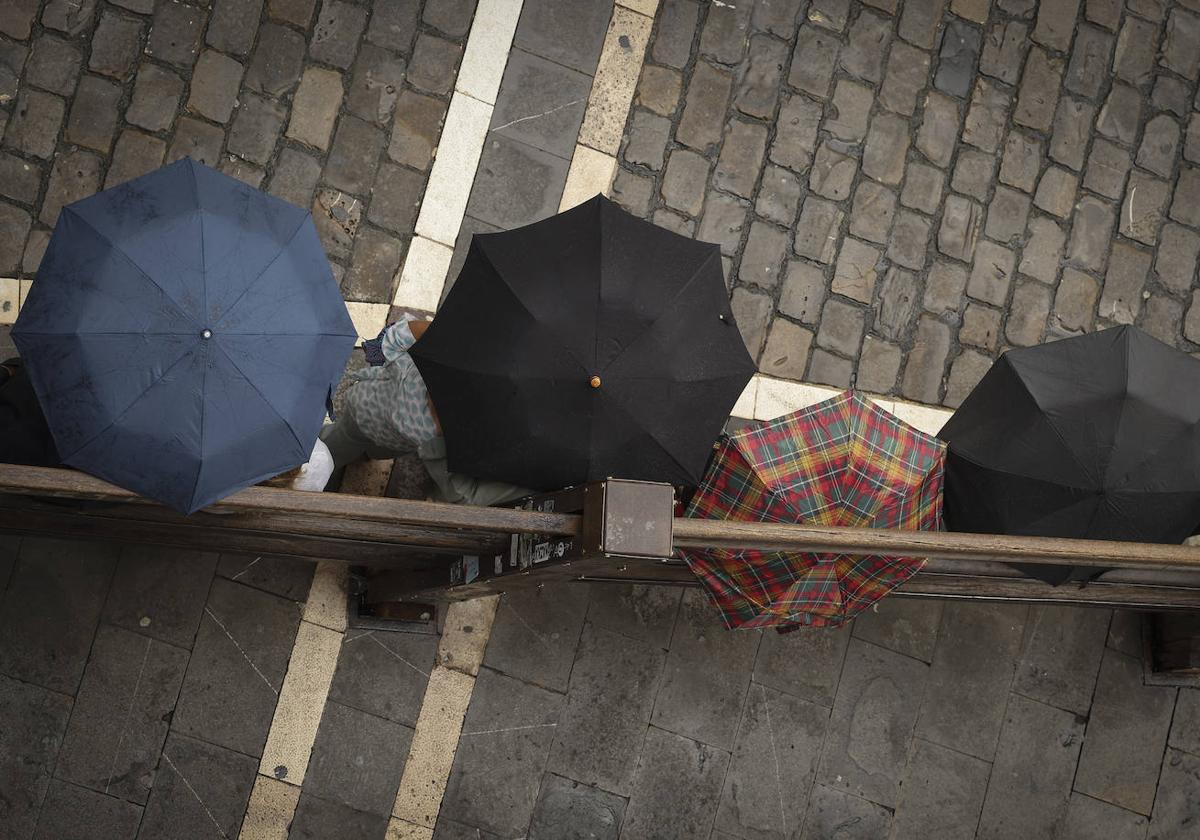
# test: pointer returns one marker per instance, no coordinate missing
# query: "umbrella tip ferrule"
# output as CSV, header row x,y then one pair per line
x,y
594,381
206,333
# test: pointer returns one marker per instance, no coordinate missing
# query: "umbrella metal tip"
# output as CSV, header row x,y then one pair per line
x,y
206,334
594,381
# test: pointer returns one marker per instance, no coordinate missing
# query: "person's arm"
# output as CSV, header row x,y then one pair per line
x,y
400,336
418,328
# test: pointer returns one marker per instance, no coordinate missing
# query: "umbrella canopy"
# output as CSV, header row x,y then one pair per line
x,y
1095,437
184,335
844,461
588,345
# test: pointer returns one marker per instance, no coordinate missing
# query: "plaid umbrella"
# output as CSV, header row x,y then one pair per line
x,y
844,461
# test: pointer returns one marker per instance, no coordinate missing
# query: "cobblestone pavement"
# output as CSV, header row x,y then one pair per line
x,y
903,190
337,105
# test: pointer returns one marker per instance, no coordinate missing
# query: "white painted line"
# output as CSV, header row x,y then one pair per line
x,y
453,172
487,49
591,172
301,701
424,274
326,604
269,814
616,78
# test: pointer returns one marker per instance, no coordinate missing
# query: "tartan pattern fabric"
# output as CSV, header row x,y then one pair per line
x,y
844,461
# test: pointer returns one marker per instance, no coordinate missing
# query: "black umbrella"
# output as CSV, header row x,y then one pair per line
x,y
1096,437
587,345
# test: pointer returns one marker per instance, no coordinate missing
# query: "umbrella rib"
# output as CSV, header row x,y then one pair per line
x,y
267,402
203,265
203,415
187,352
533,318
229,309
667,308
118,250
610,401
1057,432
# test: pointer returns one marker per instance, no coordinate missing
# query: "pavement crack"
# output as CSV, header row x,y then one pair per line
x,y
538,116
775,755
188,785
243,571
371,636
525,624
245,655
128,717
510,729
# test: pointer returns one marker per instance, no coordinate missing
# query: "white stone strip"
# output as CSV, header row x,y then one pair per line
x,y
453,171
326,605
269,814
368,318
12,295
423,274
591,172
594,162
301,701
487,49
766,398
616,78
646,7
439,724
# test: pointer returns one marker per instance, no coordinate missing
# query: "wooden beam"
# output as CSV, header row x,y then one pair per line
x,y
70,484
944,545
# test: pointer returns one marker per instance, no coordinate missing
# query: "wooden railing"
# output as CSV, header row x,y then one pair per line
x,y
404,534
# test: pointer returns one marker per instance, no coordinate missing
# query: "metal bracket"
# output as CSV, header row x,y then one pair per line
x,y
621,520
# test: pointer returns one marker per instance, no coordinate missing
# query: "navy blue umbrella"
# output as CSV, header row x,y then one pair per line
x,y
184,335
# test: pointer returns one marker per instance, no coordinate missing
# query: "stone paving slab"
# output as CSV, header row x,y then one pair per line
x,y
121,714
536,634
30,742
776,753
706,674
199,784
74,812
1030,786
160,592
237,667
608,706
502,754
384,673
1127,732
677,788
969,678
941,795
867,745
50,610
357,760
567,810
1061,656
